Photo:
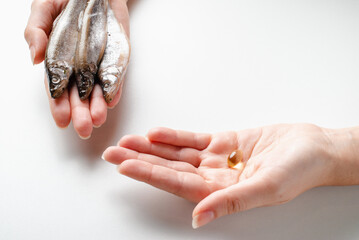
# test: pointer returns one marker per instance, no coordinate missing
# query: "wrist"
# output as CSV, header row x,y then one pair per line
x,y
344,156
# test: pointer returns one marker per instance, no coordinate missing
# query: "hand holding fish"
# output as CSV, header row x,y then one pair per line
x,y
60,32
278,163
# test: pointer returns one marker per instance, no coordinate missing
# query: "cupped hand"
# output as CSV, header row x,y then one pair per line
x,y
281,161
84,114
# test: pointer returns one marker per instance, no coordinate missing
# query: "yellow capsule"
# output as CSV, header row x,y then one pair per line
x,y
235,160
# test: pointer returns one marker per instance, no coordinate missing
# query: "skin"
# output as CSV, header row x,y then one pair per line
x,y
84,114
281,162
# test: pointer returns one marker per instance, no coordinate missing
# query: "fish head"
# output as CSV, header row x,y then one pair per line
x,y
58,75
85,79
110,89
110,79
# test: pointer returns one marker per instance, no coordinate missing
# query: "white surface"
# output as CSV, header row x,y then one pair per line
x,y
199,65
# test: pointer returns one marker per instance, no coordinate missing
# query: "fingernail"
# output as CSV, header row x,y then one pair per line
x,y
202,219
97,126
103,156
85,138
32,54
62,126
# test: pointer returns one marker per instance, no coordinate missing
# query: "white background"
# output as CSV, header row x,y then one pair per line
x,y
201,65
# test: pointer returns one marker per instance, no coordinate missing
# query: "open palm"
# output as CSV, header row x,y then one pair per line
x,y
191,165
281,161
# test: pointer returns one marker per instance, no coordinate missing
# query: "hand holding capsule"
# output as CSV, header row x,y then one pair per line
x,y
280,162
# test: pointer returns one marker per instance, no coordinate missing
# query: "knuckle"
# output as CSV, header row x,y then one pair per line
x,y
39,3
27,33
234,203
179,185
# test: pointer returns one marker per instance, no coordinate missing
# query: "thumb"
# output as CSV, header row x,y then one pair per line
x,y
242,196
37,41
43,14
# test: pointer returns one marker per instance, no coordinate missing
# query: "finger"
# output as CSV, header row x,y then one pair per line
x,y
179,138
239,197
81,117
98,106
187,185
117,155
121,13
60,108
37,44
143,145
43,14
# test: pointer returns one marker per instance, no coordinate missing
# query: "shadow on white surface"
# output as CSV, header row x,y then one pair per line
x,y
322,213
108,134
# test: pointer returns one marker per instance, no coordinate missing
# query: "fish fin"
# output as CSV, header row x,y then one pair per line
x,y
79,23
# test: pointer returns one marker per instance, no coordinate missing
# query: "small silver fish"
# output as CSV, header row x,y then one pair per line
x,y
115,60
59,56
91,45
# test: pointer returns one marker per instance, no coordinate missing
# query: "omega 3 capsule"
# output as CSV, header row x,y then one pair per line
x,y
235,160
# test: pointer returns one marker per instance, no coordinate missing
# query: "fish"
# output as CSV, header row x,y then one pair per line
x,y
60,50
115,60
91,45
